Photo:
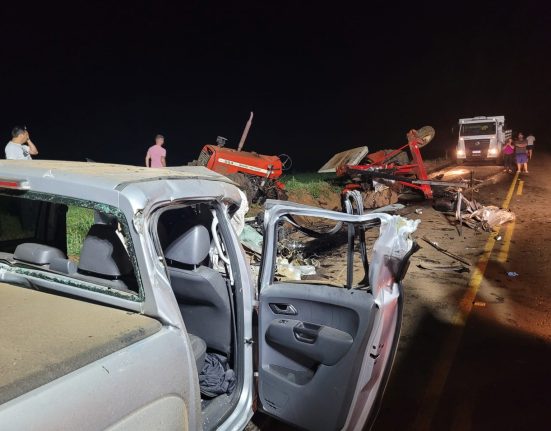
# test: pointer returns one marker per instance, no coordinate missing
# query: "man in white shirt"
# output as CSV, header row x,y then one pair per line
x,y
530,140
20,147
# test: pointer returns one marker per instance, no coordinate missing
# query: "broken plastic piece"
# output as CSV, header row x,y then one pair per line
x,y
491,216
251,239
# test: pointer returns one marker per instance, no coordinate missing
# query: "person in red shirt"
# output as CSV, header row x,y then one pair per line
x,y
156,154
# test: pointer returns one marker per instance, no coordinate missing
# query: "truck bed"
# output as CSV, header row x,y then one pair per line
x,y
44,336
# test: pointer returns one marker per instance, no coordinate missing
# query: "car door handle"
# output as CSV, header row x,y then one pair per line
x,y
306,332
287,309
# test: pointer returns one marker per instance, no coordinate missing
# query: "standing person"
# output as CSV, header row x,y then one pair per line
x,y
508,155
530,139
156,154
20,147
521,153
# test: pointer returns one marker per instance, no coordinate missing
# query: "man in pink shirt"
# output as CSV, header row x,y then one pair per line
x,y
156,154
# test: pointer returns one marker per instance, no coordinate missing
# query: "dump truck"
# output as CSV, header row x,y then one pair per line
x,y
481,139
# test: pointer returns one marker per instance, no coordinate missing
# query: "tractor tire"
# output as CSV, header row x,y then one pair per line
x,y
245,184
282,195
275,192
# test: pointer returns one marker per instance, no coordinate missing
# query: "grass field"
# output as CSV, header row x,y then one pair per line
x,y
79,221
313,184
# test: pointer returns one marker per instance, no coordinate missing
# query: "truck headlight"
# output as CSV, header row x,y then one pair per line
x,y
492,152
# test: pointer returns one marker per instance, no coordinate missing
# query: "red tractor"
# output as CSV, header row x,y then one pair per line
x,y
256,174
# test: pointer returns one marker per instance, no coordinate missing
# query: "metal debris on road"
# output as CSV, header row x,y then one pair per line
x,y
512,274
438,267
446,252
475,215
491,216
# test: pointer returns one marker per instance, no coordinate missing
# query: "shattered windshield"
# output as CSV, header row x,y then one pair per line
x,y
475,129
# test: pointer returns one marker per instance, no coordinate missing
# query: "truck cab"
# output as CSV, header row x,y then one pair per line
x,y
481,139
124,291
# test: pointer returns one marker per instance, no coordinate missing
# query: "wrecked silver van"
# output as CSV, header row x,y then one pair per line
x,y
127,303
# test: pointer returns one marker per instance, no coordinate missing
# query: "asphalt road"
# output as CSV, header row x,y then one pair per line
x,y
476,346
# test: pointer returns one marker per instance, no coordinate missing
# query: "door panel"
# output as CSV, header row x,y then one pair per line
x,y
310,360
326,346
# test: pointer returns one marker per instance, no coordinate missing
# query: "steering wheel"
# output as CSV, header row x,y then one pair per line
x,y
286,162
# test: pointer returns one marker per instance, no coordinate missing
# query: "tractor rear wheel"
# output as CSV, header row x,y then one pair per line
x,y
245,184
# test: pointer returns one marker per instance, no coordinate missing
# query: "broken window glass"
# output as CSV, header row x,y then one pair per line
x,y
59,227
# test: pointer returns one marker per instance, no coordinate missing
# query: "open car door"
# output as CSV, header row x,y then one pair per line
x,y
326,347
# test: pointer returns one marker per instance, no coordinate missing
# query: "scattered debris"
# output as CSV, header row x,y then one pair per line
x,y
446,252
251,239
491,216
473,214
512,274
419,211
292,271
389,208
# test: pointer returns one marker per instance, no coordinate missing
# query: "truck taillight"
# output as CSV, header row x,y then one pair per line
x,y
6,183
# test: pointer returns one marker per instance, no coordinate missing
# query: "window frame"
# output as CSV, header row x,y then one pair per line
x,y
66,279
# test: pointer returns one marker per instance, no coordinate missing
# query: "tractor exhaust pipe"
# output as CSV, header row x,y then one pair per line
x,y
245,132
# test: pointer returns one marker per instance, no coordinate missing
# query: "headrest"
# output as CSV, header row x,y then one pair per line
x,y
37,254
190,248
103,253
102,218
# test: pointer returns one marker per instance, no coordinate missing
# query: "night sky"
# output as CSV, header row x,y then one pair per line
x,y
100,79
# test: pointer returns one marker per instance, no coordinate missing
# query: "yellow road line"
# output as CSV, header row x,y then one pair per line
x,y
504,251
519,189
436,384
507,200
